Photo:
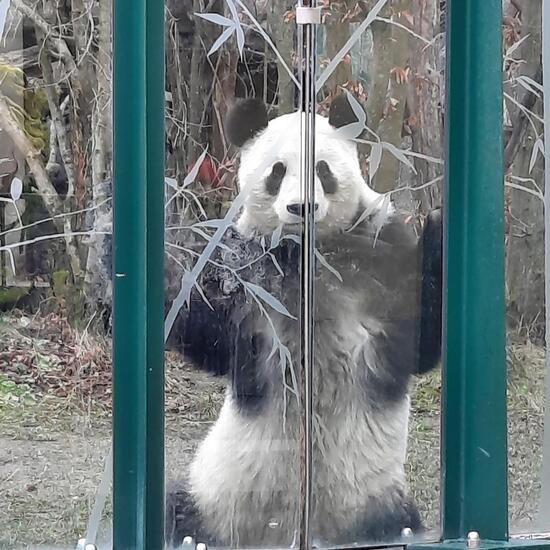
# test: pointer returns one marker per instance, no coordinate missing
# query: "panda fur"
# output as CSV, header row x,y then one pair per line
x,y
377,323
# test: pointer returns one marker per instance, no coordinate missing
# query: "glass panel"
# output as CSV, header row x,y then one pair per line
x,y
55,293
379,166
526,273
233,274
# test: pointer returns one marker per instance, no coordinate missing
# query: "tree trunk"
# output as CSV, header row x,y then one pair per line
x,y
282,35
525,235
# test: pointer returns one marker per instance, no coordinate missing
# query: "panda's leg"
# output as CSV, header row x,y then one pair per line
x,y
183,518
431,301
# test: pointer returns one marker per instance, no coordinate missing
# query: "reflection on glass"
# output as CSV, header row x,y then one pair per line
x,y
55,169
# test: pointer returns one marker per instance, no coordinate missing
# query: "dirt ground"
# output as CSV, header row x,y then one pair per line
x,y
55,430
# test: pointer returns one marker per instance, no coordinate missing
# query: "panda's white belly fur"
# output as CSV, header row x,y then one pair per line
x,y
245,476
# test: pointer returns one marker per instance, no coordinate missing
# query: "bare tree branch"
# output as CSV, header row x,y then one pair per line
x,y
57,120
52,36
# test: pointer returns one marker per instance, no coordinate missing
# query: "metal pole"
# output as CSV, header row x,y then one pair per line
x,y
474,462
138,302
307,42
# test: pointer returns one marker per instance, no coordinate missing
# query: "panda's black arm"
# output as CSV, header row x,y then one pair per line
x,y
431,293
224,340
216,334
205,335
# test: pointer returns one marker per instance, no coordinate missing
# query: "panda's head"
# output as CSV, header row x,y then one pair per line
x,y
269,172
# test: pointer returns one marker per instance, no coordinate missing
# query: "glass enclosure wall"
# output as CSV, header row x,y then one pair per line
x,y
55,291
235,203
387,61
526,271
233,274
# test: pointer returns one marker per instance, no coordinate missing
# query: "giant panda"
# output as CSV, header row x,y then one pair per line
x,y
377,323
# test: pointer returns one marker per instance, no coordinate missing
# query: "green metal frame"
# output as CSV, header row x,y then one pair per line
x,y
138,281
474,465
474,396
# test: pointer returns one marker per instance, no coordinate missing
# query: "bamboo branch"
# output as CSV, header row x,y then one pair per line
x,y
517,138
52,36
67,157
33,15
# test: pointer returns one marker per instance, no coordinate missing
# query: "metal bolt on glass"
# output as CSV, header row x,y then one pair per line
x,y
473,539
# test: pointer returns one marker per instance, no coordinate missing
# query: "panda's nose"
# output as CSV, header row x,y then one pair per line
x,y
299,208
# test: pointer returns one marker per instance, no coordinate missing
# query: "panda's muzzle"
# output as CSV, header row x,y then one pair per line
x,y
299,208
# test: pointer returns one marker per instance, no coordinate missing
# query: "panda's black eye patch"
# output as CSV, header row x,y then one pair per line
x,y
275,178
328,180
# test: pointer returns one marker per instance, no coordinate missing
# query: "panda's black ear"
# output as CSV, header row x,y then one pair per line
x,y
245,119
341,112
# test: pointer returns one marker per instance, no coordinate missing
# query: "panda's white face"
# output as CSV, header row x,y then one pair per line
x,y
269,175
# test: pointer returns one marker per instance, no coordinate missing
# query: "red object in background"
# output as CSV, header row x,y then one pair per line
x,y
208,173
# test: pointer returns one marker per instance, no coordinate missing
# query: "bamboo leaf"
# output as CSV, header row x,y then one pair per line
x,y
276,264
276,236
222,39
171,182
190,178
354,129
530,85
216,18
538,147
4,7
16,189
398,154
375,158
515,46
237,25
382,215
323,261
268,298
294,238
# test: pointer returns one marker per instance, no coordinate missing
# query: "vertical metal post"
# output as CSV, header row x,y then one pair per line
x,y
138,303
474,462
307,43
